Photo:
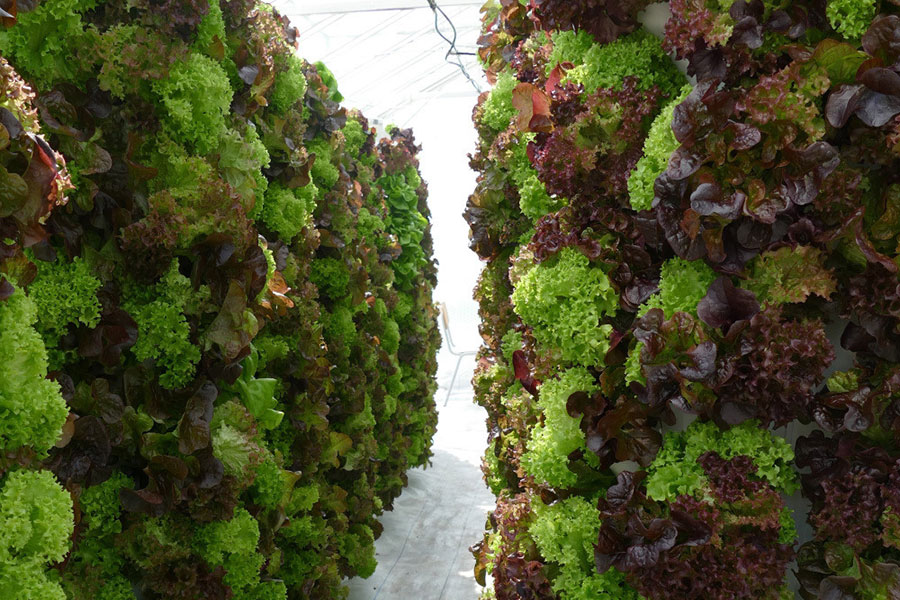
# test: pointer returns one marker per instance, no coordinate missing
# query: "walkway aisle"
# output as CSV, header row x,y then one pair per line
x,y
423,552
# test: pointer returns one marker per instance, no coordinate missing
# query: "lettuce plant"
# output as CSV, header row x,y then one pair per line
x,y
551,444
33,410
37,521
565,533
216,287
658,147
725,251
564,301
195,98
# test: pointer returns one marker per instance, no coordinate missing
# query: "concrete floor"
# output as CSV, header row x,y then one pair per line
x,y
423,552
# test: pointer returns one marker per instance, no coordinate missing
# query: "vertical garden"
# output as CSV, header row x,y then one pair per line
x,y
690,301
216,321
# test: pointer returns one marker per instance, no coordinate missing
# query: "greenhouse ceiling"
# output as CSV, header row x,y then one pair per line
x,y
387,55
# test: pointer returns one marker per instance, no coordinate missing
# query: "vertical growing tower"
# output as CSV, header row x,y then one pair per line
x,y
215,284
680,279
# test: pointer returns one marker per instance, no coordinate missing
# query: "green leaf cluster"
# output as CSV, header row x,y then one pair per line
x,y
257,394
563,300
789,275
211,28
289,87
551,443
682,285
65,293
96,558
565,533
675,470
330,276
194,99
233,545
287,211
534,201
406,223
658,147
32,410
851,18
36,523
639,54
240,158
164,334
46,40
498,110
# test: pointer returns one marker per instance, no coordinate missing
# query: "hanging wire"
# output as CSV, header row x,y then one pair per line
x,y
453,51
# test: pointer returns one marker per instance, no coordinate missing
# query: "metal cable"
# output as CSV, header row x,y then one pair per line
x,y
453,51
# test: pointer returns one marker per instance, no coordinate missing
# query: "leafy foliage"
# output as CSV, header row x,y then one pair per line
x,y
46,38
607,65
685,547
195,98
565,532
551,444
558,298
682,285
33,410
65,294
748,230
36,519
676,470
163,330
658,147
287,211
790,275
604,20
229,281
851,18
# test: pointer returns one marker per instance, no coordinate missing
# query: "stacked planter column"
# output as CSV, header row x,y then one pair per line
x,y
225,323
681,273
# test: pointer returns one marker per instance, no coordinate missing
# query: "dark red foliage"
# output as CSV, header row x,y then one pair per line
x,y
676,356
751,564
773,370
851,509
566,103
730,478
501,35
839,200
873,302
753,153
187,580
523,373
528,64
636,535
874,97
86,457
725,305
591,157
693,549
624,430
728,45
517,574
606,20
852,484
561,163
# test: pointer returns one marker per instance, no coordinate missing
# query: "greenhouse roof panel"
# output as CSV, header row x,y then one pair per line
x,y
387,54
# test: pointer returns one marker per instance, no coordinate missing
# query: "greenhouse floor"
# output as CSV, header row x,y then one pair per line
x,y
423,552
